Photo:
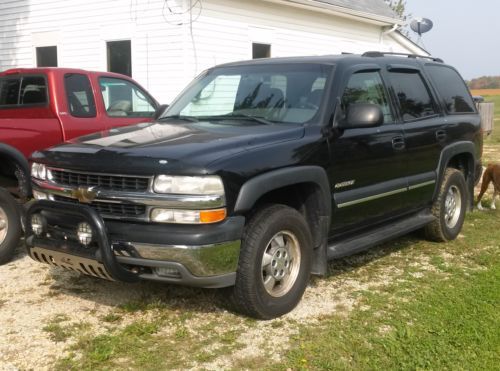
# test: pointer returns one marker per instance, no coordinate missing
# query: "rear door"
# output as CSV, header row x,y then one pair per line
x,y
367,174
424,131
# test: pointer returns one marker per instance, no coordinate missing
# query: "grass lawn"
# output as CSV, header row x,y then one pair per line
x,y
448,318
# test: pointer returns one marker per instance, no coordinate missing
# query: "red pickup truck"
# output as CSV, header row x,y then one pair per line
x,y
41,107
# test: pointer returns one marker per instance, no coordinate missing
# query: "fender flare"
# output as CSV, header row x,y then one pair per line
x,y
258,186
446,155
18,158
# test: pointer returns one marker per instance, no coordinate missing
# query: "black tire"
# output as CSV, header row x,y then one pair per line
x,y
449,219
10,226
282,234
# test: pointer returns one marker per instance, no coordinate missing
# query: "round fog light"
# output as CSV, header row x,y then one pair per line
x,y
84,233
37,224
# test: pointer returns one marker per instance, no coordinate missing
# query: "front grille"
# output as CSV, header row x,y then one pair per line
x,y
110,208
107,182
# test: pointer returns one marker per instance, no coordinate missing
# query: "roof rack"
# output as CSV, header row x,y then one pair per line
x,y
415,56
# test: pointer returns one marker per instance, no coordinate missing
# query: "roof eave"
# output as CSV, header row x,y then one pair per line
x,y
408,43
340,11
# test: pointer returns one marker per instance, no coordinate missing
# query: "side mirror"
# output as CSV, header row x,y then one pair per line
x,y
159,111
362,115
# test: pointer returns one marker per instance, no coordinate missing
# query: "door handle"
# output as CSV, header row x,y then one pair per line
x,y
398,143
441,135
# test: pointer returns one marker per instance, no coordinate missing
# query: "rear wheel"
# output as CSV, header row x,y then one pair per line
x,y
449,207
10,226
274,264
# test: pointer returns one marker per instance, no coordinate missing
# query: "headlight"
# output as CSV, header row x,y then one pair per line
x,y
189,185
38,171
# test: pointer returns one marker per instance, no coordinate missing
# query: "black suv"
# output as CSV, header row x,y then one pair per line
x,y
262,171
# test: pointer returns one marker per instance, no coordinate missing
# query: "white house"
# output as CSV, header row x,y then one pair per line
x,y
163,44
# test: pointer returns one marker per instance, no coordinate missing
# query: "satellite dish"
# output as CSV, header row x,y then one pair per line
x,y
421,25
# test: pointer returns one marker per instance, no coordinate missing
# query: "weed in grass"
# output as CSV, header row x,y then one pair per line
x,y
112,318
277,324
60,332
181,332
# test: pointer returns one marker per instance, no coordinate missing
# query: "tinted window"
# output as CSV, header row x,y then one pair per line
x,y
33,90
79,94
414,98
452,89
9,91
367,87
25,91
122,98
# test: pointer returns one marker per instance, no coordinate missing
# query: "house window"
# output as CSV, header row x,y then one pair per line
x,y
120,57
46,56
261,51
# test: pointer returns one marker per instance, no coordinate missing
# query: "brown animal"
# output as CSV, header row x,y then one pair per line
x,y
491,174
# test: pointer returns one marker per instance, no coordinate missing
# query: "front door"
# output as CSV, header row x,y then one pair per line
x,y
367,174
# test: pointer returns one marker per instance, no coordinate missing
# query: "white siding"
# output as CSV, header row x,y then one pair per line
x,y
165,55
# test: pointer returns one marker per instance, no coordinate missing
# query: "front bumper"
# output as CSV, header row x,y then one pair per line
x,y
202,256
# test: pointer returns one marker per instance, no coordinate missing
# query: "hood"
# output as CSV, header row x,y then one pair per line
x,y
164,147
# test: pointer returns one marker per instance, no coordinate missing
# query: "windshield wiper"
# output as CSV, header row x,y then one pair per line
x,y
239,116
179,117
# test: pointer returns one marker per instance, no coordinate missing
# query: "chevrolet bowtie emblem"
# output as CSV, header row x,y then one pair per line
x,y
84,195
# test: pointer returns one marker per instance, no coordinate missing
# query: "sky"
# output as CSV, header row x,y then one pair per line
x,y
466,34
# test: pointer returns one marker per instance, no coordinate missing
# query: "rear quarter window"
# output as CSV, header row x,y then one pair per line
x,y
23,91
452,89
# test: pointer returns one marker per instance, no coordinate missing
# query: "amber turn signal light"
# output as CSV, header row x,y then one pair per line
x,y
212,216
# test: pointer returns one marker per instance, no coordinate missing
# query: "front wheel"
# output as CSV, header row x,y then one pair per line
x,y
449,207
275,263
10,226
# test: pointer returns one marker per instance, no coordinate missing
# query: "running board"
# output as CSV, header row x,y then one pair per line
x,y
376,236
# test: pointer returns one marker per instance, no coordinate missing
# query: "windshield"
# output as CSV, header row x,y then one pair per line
x,y
264,94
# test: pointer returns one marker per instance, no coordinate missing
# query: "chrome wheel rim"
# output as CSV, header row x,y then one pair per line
x,y
4,225
280,264
452,207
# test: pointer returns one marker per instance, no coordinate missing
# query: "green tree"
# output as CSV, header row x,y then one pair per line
x,y
399,7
